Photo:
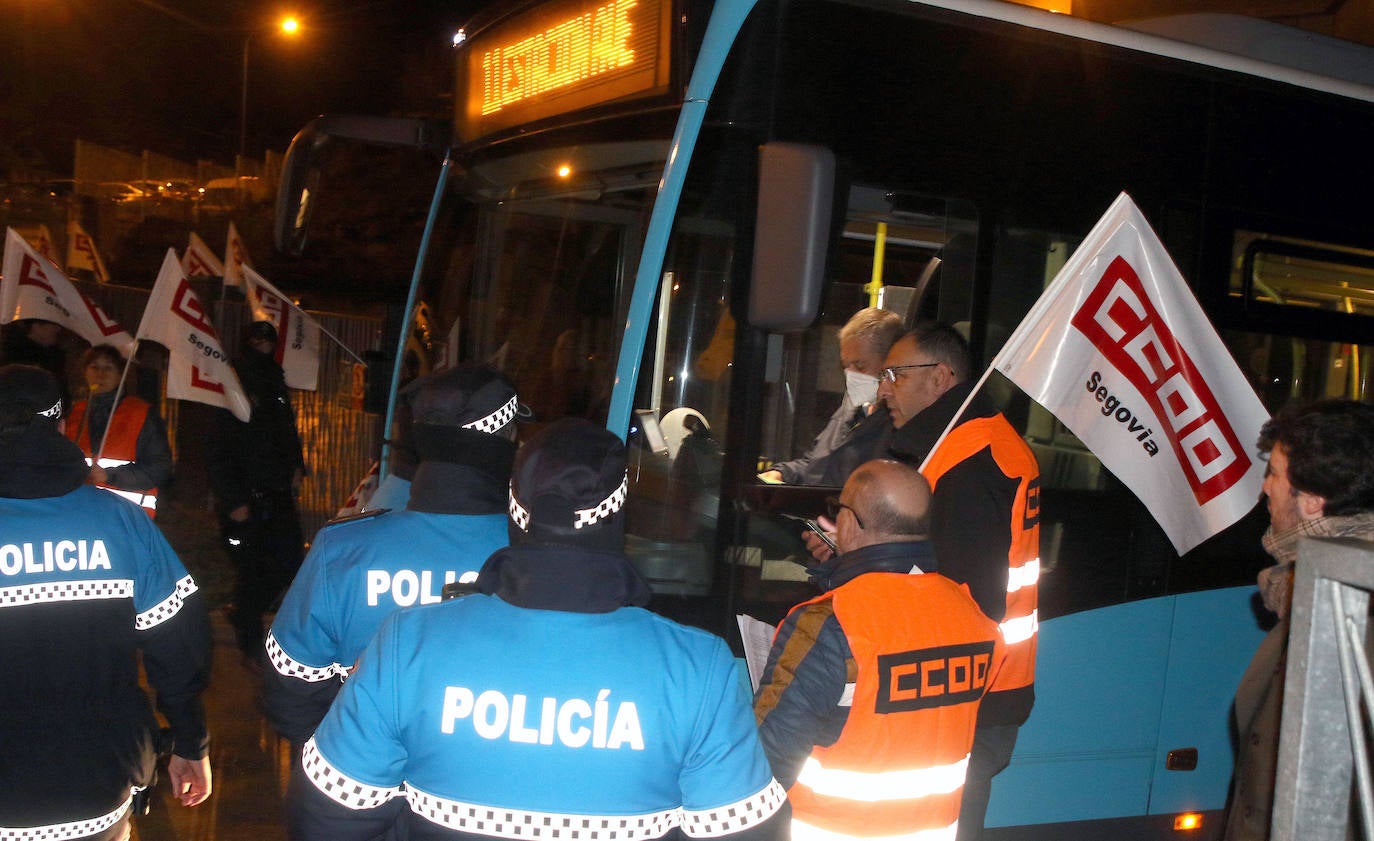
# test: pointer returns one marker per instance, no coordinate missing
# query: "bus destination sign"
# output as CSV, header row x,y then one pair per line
x,y
560,57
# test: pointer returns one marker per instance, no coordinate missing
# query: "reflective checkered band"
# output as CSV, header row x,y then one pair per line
x,y
498,822
496,420
288,666
606,507
65,591
167,608
75,829
734,817
518,513
338,786
54,411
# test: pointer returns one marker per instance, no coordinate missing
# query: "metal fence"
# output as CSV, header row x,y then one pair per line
x,y
1328,696
340,439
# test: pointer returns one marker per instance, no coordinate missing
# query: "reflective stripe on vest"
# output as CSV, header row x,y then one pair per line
x,y
1021,624
873,787
121,444
803,831
72,829
898,766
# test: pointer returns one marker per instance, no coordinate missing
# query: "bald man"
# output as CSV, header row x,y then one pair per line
x,y
879,679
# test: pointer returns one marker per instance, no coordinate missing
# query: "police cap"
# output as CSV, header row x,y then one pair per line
x,y
568,486
28,392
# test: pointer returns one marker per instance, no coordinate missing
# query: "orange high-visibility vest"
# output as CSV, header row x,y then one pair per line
x,y
121,443
924,656
1020,625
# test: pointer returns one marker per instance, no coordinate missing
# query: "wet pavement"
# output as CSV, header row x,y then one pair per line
x,y
248,764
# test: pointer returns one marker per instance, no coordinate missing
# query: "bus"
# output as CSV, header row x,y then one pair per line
x,y
656,214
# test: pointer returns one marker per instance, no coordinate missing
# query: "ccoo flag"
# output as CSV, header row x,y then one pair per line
x,y
199,261
298,350
82,254
235,260
34,287
1119,350
197,367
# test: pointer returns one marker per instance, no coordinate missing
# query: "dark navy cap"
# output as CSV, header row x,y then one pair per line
x,y
471,396
569,486
26,392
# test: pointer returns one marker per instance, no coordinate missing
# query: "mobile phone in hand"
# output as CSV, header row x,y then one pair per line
x,y
816,529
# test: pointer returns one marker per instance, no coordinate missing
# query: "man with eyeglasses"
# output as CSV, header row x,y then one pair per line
x,y
984,524
868,703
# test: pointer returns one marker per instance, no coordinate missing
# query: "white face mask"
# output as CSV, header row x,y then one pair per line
x,y
861,388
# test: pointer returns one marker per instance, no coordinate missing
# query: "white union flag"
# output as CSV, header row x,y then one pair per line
x,y
1120,351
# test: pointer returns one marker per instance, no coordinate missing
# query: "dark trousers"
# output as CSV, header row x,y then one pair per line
x,y
992,747
266,551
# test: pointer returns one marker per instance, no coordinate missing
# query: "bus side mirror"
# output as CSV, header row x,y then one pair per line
x,y
300,173
791,235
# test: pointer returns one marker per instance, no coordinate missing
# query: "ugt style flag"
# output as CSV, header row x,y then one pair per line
x,y
34,287
298,345
197,367
1119,350
199,261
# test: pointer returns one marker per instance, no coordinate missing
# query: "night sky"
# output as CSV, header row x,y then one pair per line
x,y
134,74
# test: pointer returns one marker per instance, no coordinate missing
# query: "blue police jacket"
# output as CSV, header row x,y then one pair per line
x,y
359,571
479,718
88,587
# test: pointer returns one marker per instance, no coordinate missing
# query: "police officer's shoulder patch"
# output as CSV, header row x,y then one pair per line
x,y
356,518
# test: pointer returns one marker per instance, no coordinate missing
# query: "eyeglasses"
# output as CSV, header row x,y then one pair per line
x,y
833,506
890,374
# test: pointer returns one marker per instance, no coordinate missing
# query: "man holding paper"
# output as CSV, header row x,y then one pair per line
x,y
880,678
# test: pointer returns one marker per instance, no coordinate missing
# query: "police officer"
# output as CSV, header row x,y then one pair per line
x,y
364,567
549,704
87,583
869,699
255,470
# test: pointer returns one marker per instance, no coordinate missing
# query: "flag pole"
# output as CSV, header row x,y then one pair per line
x,y
345,348
1068,270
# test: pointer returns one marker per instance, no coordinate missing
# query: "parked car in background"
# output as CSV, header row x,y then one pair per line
x,y
225,195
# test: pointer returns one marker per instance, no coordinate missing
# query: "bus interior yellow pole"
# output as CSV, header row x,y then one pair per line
x,y
875,286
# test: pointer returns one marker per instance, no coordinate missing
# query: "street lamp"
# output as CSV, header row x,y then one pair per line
x,y
289,25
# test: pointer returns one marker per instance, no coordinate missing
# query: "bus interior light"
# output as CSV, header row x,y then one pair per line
x,y
1187,821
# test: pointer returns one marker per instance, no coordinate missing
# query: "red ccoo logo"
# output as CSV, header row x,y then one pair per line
x,y
1119,319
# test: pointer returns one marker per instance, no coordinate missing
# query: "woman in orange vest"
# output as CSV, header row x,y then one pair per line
x,y
135,458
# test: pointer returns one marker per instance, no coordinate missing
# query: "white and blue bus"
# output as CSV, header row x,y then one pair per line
x,y
656,213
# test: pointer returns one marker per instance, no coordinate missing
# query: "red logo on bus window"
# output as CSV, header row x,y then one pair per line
x,y
1120,320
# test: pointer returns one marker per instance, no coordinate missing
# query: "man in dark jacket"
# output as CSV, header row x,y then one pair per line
x,y
984,525
255,470
868,703
88,587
